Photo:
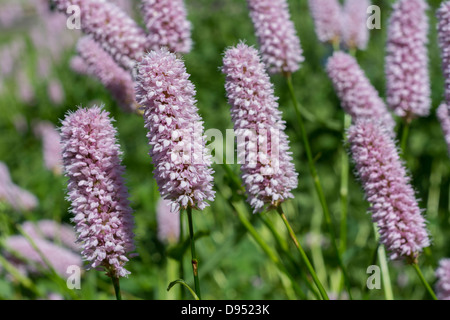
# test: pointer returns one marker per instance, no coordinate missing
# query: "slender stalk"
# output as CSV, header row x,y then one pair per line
x,y
303,254
405,133
424,281
317,184
285,249
344,189
116,284
193,254
267,250
335,44
373,261
181,269
389,295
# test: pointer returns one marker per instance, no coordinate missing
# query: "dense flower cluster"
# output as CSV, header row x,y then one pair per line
x,y
18,198
167,25
407,78
443,16
355,33
443,283
99,63
387,186
96,190
268,171
111,27
358,97
327,19
175,131
279,44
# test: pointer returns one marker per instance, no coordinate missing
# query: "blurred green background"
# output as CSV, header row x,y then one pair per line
x,y
232,265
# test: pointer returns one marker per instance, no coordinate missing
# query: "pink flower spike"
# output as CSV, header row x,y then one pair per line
x,y
49,229
407,76
51,142
18,198
175,131
327,19
355,33
387,187
358,97
167,25
443,283
443,16
443,114
96,189
59,257
101,65
111,27
278,40
267,169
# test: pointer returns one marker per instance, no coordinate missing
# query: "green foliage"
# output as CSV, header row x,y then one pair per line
x,y
231,264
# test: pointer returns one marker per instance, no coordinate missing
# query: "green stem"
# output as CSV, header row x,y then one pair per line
x,y
388,293
424,281
317,184
267,250
373,261
303,254
285,249
344,189
116,284
181,269
405,133
193,254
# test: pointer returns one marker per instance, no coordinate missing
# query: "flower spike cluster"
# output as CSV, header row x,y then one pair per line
x,y
443,16
387,187
52,230
358,97
97,191
443,283
327,19
101,65
51,146
407,78
443,114
279,43
175,131
60,258
19,199
355,33
167,25
111,27
268,172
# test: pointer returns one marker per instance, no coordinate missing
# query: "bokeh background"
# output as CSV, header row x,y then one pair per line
x,y
37,84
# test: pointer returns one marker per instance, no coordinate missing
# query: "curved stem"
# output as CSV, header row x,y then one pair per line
x,y
193,254
285,249
116,284
181,269
405,133
267,250
388,293
424,281
303,254
317,184
344,189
